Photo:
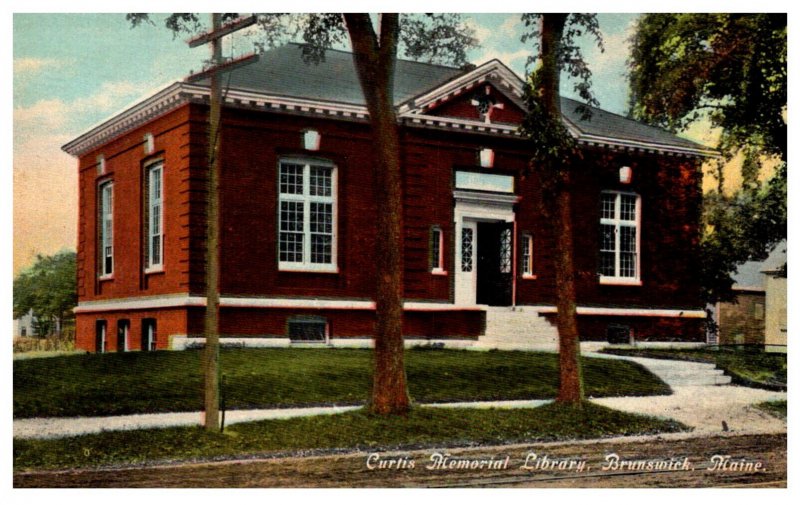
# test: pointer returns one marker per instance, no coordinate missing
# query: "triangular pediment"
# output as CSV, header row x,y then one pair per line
x,y
491,94
482,102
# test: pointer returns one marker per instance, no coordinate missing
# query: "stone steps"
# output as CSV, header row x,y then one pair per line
x,y
683,373
524,328
517,328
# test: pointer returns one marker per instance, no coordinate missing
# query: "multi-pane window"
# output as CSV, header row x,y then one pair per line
x,y
437,250
155,217
619,236
306,216
106,229
527,255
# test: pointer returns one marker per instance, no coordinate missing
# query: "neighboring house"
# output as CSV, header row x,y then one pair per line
x,y
758,314
23,327
775,325
298,205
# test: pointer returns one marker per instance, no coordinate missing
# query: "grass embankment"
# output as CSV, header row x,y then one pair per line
x,y
775,408
137,382
751,368
423,427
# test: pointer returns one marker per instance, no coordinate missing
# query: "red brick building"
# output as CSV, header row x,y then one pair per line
x,y
297,207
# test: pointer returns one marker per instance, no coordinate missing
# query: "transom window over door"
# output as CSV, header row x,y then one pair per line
x,y
307,215
620,218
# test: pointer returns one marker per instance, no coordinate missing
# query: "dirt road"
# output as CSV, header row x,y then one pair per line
x,y
720,461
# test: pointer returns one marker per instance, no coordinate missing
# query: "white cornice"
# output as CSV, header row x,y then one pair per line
x,y
132,117
465,125
634,145
180,93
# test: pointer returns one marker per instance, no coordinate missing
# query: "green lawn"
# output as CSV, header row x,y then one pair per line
x,y
747,367
137,382
776,408
423,427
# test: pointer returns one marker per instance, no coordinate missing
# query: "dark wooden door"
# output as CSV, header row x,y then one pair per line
x,y
494,263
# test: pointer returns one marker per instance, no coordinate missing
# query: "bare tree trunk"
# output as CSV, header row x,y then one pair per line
x,y
570,377
375,57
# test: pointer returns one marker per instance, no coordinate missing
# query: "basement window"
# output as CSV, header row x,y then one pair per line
x,y
308,329
100,336
148,334
619,334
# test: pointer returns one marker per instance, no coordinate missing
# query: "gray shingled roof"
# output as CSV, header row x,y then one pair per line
x,y
750,274
282,72
607,124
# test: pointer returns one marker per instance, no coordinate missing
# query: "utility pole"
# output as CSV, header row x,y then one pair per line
x,y
211,321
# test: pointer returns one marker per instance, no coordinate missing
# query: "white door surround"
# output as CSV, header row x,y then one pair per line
x,y
472,207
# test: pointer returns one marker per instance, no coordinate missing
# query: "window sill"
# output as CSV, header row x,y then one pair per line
x,y
107,277
529,277
438,271
154,270
620,281
310,269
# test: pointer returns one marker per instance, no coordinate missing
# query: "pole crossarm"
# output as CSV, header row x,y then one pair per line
x,y
226,29
226,66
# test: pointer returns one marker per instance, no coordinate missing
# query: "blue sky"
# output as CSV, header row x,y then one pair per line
x,y
72,56
73,70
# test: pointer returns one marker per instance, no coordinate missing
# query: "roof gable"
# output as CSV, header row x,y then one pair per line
x,y
480,102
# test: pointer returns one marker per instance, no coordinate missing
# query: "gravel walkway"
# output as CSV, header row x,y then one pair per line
x,y
58,427
706,407
702,407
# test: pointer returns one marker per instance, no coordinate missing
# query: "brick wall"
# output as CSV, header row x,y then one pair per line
x,y
254,142
742,321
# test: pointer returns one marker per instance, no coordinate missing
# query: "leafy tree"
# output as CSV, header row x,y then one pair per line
x,y
432,37
728,69
48,289
555,159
